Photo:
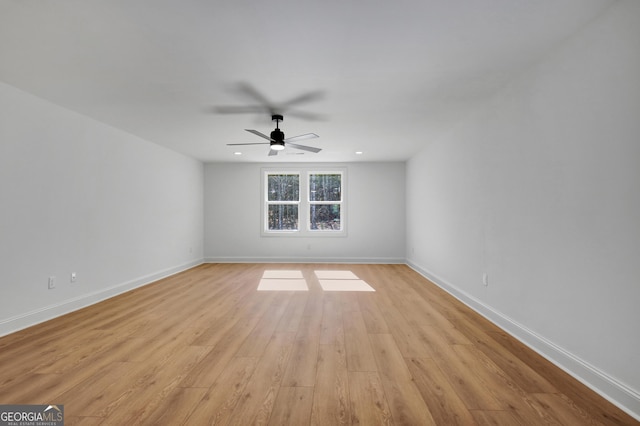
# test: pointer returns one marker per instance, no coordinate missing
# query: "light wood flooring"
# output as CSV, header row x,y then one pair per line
x,y
204,347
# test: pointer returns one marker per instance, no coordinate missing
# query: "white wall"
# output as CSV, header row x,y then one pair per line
x,y
375,217
540,188
80,196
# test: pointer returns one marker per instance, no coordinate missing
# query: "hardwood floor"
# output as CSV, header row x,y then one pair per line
x,y
204,347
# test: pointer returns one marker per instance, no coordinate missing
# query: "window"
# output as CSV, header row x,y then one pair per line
x,y
303,202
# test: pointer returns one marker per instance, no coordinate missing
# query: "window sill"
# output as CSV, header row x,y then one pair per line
x,y
304,234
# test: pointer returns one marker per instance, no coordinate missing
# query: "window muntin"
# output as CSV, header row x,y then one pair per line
x,y
303,202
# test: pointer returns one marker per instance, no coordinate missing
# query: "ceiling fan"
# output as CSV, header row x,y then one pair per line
x,y
277,141
263,105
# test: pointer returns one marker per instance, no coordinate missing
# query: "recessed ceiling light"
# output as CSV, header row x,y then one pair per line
x,y
359,152
237,153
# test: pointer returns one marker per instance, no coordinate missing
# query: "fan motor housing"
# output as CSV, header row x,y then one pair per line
x,y
277,139
277,135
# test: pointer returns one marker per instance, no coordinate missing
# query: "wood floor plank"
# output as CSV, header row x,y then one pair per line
x,y
332,326
221,398
262,333
291,318
301,369
176,407
357,346
563,409
31,389
497,384
407,354
158,344
214,331
444,404
409,339
86,398
350,302
368,402
405,401
371,314
598,408
170,368
109,392
261,391
463,378
206,372
331,395
496,418
292,406
154,387
435,336
82,421
416,310
525,376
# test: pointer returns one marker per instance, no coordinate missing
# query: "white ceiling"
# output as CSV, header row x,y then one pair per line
x,y
395,75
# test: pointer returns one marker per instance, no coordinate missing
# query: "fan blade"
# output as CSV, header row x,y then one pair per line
x,y
305,97
248,109
264,105
301,137
254,93
257,143
304,147
272,152
262,135
310,116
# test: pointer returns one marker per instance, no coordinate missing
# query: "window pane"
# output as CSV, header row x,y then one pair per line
x,y
325,217
283,187
325,187
283,217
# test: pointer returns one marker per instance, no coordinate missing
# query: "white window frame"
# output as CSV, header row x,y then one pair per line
x,y
304,203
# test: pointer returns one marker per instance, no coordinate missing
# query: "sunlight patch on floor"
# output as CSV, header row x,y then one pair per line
x,y
341,281
283,280
345,285
293,280
282,274
282,285
336,275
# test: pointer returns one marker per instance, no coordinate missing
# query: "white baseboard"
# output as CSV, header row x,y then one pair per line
x,y
28,319
619,394
362,260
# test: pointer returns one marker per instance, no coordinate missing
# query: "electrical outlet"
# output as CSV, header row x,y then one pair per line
x,y
73,277
52,282
485,279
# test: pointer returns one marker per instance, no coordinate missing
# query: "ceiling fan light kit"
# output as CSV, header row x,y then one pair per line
x,y
278,146
277,141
